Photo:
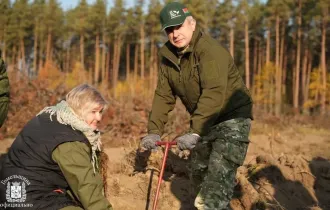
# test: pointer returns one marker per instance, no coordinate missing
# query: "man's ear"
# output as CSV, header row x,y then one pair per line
x,y
193,25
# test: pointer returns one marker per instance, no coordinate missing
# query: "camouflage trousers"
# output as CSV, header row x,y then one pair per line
x,y
214,162
4,104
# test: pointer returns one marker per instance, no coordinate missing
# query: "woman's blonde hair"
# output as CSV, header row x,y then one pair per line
x,y
83,98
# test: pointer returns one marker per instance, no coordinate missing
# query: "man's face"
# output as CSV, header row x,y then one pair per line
x,y
180,35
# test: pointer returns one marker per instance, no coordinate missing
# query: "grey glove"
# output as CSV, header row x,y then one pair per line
x,y
149,141
187,141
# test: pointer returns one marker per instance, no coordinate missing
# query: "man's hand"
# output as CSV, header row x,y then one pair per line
x,y
187,141
149,141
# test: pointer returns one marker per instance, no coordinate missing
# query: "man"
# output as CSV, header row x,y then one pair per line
x,y
4,91
194,67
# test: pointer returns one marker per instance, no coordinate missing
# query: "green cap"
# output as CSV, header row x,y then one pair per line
x,y
173,14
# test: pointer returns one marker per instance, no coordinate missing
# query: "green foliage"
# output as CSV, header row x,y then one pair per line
x,y
264,85
19,22
202,11
4,16
315,89
54,18
117,20
152,19
97,17
76,77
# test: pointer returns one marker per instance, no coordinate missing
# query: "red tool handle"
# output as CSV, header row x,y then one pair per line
x,y
159,143
167,146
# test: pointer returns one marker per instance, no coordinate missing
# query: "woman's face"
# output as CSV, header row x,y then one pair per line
x,y
93,116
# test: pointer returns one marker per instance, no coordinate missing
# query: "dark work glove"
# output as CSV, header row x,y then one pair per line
x,y
149,141
187,141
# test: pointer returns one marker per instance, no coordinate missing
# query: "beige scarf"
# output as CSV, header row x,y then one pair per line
x,y
65,115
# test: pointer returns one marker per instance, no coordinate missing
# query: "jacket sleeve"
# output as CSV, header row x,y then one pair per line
x,y
74,160
214,70
4,92
163,103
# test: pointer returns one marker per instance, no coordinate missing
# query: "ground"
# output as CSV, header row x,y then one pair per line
x,y
287,168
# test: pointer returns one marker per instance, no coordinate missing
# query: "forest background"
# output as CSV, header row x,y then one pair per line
x,y
280,46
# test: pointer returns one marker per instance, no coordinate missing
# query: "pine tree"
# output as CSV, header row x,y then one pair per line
x,y
4,22
97,17
19,28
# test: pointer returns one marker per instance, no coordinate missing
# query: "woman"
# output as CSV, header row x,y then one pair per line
x,y
53,162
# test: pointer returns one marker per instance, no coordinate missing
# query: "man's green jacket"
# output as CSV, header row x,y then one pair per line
x,y
4,91
206,80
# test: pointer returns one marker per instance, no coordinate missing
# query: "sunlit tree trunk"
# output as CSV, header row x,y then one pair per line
x,y
247,56
22,49
142,35
127,62
278,77
49,46
136,62
82,50
97,59
268,46
35,49
232,39
323,61
297,74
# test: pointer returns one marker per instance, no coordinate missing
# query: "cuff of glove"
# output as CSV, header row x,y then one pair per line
x,y
195,134
154,132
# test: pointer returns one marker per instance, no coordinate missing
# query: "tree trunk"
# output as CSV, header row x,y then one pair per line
x,y
304,75
255,62
285,62
107,71
23,56
247,56
156,68
97,59
260,56
14,61
323,64
67,69
114,67
136,62
82,50
309,71
151,61
49,43
103,56
268,46
142,36
297,81
127,62
35,49
232,38
278,79
41,63
282,65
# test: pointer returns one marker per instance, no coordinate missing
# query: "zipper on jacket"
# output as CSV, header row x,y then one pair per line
x,y
177,66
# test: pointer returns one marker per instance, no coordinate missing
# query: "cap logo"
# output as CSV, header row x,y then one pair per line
x,y
174,14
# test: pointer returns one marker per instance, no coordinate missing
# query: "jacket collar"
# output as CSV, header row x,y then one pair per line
x,y
170,52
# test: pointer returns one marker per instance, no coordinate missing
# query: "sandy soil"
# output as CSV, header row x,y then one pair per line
x,y
286,168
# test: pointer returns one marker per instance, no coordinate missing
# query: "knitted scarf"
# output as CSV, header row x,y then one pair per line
x,y
65,115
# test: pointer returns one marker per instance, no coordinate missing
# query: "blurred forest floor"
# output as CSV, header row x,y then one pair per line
x,y
287,166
